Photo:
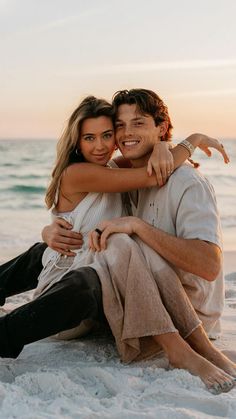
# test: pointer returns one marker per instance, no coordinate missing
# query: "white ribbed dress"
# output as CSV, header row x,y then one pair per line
x,y
94,208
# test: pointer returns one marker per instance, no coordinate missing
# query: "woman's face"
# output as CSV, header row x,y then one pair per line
x,y
97,140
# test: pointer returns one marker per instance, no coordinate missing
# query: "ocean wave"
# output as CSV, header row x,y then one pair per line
x,y
28,189
28,176
228,221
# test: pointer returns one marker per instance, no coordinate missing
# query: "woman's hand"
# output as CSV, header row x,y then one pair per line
x,y
161,161
204,142
125,225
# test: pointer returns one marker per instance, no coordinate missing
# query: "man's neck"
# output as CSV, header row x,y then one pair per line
x,y
141,162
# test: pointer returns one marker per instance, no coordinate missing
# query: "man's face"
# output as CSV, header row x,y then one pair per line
x,y
135,133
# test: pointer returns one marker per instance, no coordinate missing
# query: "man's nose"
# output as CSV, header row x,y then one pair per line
x,y
128,131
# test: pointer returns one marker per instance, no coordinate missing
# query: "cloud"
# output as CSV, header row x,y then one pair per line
x,y
159,66
206,93
70,19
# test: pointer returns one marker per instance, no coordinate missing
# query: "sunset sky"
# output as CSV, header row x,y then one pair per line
x,y
54,52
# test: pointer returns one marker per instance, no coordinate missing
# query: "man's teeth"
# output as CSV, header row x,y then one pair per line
x,y
130,142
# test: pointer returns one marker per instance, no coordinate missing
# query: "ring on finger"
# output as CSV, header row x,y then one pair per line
x,y
98,231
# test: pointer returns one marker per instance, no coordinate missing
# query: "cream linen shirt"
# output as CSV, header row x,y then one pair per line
x,y
186,207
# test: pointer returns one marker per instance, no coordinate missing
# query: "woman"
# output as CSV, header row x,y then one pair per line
x,y
81,194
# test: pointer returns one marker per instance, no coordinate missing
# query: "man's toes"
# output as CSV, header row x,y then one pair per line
x,y
215,389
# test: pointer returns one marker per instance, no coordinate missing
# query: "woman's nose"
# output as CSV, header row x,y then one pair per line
x,y
99,144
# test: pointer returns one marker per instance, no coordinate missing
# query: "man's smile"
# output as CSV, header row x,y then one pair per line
x,y
130,143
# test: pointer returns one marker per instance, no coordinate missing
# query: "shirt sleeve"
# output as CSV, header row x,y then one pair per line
x,y
197,215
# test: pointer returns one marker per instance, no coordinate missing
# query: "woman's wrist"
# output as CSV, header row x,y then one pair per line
x,y
194,139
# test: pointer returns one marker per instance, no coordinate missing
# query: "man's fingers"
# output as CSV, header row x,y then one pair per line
x,y
95,241
64,252
70,234
63,223
69,240
105,234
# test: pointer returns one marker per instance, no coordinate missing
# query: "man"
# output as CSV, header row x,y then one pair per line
x,y
179,221
79,292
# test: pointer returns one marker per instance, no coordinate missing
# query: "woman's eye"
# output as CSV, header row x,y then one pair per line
x,y
89,138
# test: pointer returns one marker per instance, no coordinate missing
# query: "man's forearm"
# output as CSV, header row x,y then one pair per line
x,y
195,256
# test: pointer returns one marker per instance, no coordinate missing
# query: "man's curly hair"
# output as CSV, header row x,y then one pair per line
x,y
148,103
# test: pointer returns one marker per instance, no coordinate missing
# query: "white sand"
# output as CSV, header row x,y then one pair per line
x,y
85,379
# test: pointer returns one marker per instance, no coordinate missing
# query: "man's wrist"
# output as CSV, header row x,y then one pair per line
x,y
136,225
44,234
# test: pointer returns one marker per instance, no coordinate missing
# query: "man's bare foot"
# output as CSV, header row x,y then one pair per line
x,y
217,358
216,380
203,346
181,355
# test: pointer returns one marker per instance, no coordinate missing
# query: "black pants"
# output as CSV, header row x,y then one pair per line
x,y
20,274
76,297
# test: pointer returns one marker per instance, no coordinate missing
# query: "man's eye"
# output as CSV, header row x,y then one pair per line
x,y
138,124
119,125
107,136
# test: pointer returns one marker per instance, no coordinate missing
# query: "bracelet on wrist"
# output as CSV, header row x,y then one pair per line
x,y
186,144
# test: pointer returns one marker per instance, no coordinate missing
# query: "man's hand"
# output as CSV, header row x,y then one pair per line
x,y
126,225
59,237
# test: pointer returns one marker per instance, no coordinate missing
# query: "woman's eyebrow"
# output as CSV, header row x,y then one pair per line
x,y
87,133
92,133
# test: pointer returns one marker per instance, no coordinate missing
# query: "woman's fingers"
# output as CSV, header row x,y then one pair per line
x,y
158,175
224,154
149,168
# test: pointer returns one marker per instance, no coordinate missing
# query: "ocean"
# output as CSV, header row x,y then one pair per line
x,y
25,167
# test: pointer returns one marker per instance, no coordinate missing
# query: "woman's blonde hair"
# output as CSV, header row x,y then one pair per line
x,y
68,145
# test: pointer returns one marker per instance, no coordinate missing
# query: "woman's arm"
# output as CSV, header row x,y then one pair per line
x,y
165,159
201,141
89,177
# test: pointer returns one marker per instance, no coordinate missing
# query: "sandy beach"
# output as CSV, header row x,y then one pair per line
x,y
85,378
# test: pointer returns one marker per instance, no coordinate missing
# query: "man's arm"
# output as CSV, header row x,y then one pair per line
x,y
191,255
59,237
196,256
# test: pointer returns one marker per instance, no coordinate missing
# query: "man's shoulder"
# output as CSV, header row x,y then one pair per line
x,y
186,174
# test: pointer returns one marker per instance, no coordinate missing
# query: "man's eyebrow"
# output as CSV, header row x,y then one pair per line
x,y
138,118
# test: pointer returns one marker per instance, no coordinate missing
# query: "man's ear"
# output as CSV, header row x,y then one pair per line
x,y
163,128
